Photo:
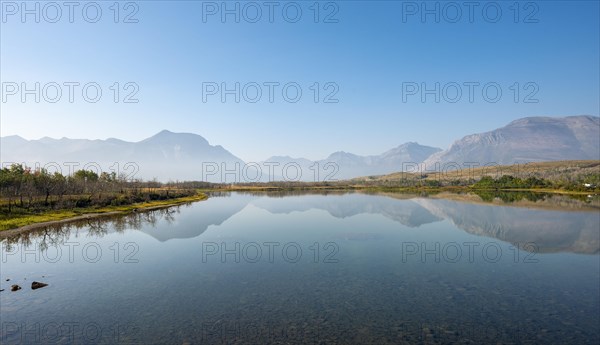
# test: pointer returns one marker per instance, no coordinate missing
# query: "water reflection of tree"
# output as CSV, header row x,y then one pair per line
x,y
96,228
52,235
58,234
169,216
509,197
552,200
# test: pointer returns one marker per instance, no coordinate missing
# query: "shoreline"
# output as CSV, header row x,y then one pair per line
x,y
126,209
94,215
358,188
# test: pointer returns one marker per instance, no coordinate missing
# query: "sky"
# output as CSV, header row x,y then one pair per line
x,y
368,72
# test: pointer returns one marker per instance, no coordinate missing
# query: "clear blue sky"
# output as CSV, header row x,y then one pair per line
x,y
373,49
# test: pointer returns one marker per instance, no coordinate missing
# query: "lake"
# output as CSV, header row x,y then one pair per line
x,y
253,268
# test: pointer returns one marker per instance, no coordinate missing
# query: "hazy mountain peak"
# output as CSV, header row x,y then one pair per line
x,y
168,137
162,134
14,138
530,139
115,141
342,154
408,152
536,120
530,120
166,155
165,133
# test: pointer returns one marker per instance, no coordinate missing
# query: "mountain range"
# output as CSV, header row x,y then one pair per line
x,y
185,156
530,139
345,165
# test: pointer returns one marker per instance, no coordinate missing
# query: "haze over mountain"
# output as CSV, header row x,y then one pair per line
x,y
185,156
345,165
164,156
530,139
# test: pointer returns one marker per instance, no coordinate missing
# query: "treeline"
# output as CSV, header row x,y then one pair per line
x,y
260,185
506,182
582,183
511,182
22,188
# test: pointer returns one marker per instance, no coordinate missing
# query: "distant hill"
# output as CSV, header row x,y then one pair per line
x,y
530,139
164,156
348,165
186,156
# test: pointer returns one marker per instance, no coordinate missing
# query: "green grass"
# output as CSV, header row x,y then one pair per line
x,y
19,219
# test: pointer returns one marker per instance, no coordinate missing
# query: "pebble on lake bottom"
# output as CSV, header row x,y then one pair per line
x,y
37,285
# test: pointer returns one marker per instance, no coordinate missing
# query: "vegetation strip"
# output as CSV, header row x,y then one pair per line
x,y
37,198
34,221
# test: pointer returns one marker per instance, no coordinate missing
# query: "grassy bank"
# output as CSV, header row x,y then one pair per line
x,y
24,218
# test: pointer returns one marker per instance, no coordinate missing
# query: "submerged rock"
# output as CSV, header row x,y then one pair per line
x,y
37,285
15,288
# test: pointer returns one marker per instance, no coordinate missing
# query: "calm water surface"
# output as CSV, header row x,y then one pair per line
x,y
336,268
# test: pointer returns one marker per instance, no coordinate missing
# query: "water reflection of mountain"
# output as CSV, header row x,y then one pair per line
x,y
407,212
217,210
550,230
214,211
